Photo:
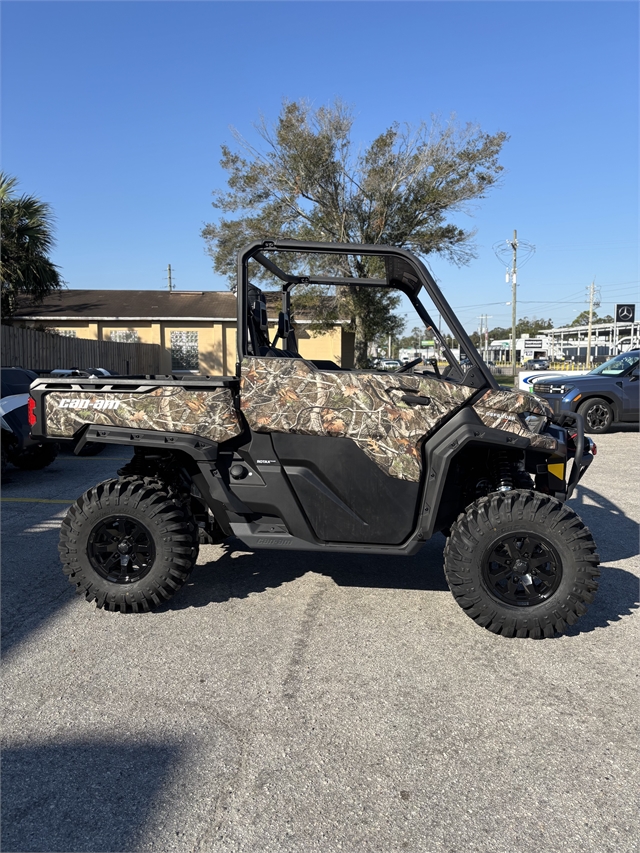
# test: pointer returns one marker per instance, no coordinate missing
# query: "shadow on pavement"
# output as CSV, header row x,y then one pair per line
x,y
238,572
80,796
617,597
33,586
617,536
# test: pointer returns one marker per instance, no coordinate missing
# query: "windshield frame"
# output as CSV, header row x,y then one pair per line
x,y
405,272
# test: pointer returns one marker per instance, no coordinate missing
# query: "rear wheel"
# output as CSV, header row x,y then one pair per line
x,y
521,564
36,457
597,414
127,545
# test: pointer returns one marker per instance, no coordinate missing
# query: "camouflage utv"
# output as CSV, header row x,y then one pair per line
x,y
296,454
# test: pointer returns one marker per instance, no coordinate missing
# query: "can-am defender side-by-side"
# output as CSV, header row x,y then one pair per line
x,y
296,454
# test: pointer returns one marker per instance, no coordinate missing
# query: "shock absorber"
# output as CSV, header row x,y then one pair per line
x,y
502,471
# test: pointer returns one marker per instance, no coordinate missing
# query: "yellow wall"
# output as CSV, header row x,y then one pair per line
x,y
216,341
230,349
327,346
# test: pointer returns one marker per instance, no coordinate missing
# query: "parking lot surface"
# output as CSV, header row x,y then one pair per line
x,y
299,702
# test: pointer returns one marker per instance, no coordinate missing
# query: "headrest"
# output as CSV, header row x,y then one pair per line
x,y
258,306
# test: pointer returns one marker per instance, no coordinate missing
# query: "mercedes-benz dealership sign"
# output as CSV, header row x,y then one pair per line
x,y
625,313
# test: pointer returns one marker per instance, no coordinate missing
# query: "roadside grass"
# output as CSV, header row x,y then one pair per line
x,y
505,380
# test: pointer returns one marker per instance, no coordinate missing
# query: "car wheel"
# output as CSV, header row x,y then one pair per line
x,y
597,414
127,545
521,564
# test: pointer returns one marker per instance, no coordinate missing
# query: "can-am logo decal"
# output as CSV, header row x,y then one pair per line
x,y
75,403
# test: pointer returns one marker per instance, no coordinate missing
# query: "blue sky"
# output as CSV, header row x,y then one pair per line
x,y
114,113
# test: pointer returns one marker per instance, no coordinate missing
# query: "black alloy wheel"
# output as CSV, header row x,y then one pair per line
x,y
121,549
597,414
521,570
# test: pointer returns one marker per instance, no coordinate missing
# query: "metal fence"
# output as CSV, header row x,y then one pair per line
x,y
45,351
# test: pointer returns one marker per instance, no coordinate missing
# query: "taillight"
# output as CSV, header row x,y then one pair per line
x,y
31,411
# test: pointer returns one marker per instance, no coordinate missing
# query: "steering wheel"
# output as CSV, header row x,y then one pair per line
x,y
408,365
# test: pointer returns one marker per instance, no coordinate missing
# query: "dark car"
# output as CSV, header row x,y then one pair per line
x,y
610,392
17,445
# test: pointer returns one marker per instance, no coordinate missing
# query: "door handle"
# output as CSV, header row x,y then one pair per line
x,y
415,400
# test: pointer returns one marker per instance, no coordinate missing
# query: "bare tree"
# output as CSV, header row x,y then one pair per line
x,y
308,181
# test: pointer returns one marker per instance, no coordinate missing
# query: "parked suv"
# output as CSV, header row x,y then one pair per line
x,y
610,392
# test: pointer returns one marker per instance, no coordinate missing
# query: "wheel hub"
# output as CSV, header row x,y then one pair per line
x,y
521,569
121,549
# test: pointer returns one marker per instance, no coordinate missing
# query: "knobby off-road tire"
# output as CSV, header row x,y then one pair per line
x,y
127,545
598,416
521,564
35,458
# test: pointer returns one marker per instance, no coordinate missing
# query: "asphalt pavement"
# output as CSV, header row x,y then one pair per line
x,y
299,702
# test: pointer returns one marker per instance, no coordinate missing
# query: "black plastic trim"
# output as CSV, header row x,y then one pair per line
x,y
464,427
200,449
247,533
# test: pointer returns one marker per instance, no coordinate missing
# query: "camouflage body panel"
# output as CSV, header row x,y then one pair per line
x,y
290,395
502,410
209,414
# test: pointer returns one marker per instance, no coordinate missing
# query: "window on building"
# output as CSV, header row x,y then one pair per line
x,y
66,333
125,336
184,351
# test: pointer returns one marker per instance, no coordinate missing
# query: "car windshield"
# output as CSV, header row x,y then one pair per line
x,y
617,365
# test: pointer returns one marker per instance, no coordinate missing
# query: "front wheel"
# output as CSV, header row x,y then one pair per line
x,y
597,414
521,564
127,545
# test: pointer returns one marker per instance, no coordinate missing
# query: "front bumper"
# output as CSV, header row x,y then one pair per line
x,y
558,404
579,448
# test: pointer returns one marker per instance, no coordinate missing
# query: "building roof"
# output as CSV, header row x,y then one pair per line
x,y
604,327
133,305
146,305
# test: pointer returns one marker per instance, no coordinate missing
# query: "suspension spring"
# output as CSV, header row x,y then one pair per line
x,y
504,479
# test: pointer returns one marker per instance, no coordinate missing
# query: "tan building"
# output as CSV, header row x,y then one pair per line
x,y
196,329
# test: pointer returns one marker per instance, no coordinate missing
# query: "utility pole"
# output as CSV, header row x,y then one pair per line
x,y
592,304
169,278
502,251
482,330
514,270
486,336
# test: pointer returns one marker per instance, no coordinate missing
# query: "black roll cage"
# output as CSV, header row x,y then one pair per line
x,y
405,272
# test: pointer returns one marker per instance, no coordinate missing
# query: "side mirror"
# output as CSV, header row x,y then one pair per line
x,y
634,375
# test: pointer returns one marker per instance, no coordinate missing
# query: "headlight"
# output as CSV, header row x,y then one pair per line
x,y
564,389
536,423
